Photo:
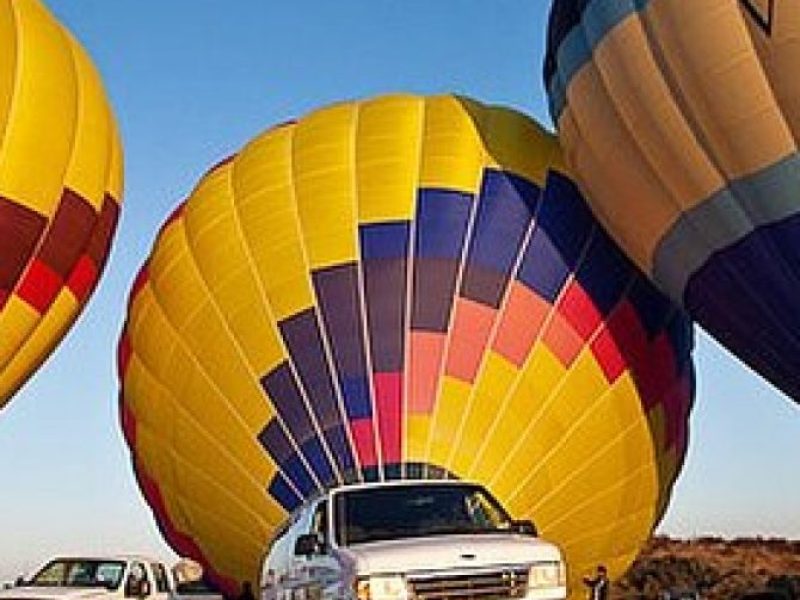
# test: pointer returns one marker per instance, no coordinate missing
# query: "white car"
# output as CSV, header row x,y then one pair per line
x,y
408,540
114,578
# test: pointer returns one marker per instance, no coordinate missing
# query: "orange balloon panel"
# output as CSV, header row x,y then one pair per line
x,y
60,186
403,287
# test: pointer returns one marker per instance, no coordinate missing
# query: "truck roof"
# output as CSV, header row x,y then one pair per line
x,y
108,557
400,483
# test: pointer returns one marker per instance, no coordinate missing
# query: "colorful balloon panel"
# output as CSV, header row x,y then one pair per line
x,y
60,186
680,120
404,287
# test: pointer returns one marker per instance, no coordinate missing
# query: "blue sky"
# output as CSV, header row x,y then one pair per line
x,y
191,81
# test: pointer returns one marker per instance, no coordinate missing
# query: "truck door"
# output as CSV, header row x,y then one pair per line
x,y
291,577
276,572
319,571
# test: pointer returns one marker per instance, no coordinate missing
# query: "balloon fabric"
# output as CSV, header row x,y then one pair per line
x,y
680,120
60,186
399,288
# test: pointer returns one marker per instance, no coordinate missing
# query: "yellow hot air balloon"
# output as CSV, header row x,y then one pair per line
x,y
60,186
681,120
403,287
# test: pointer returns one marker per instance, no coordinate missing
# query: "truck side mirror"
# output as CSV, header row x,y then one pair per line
x,y
308,544
524,527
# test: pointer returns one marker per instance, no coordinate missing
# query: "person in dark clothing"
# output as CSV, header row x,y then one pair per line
x,y
247,592
598,586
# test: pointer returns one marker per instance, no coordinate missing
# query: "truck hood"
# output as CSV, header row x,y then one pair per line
x,y
450,552
53,593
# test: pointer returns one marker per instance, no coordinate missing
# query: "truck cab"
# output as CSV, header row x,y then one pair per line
x,y
107,578
409,540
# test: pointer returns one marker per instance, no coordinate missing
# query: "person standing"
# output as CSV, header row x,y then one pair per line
x,y
247,592
598,586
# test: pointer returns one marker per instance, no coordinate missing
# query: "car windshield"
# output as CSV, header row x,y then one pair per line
x,y
80,573
405,511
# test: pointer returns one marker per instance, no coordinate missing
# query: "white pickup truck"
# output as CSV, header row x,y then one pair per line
x,y
116,578
419,540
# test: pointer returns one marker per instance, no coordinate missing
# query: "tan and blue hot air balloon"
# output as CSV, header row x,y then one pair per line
x,y
60,186
403,287
681,120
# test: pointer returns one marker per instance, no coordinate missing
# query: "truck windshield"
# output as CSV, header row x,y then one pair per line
x,y
406,511
80,573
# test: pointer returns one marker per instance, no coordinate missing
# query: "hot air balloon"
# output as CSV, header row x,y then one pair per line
x,y
680,120
60,186
403,287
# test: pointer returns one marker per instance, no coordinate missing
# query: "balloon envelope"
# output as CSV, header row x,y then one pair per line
x,y
680,119
60,186
403,287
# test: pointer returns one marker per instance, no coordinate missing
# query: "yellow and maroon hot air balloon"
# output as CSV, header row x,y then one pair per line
x,y
403,287
681,120
60,186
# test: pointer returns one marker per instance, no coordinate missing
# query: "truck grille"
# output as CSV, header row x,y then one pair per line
x,y
506,583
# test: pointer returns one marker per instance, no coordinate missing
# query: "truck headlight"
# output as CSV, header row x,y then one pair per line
x,y
382,587
547,575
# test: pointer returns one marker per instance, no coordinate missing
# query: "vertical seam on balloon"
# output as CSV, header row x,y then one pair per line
x,y
323,338
672,87
65,39
410,265
324,335
151,373
362,295
228,174
467,239
498,319
531,362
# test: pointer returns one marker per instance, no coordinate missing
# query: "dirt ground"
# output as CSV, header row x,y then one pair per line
x,y
717,569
